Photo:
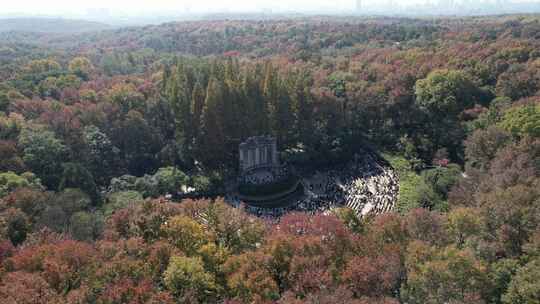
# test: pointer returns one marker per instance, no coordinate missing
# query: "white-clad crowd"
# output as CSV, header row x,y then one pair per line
x,y
364,184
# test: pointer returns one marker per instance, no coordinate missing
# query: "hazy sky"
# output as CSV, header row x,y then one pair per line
x,y
66,7
78,6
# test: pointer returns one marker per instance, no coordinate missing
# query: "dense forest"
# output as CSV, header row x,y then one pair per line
x,y
102,133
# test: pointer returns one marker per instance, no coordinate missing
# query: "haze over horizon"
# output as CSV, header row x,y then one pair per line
x,y
105,8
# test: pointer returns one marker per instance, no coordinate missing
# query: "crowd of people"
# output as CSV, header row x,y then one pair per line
x,y
305,204
376,190
364,185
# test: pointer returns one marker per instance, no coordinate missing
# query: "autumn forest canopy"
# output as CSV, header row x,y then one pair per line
x,y
117,146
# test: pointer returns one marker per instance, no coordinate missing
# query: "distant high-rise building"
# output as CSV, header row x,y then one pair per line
x,y
98,12
446,4
391,5
358,5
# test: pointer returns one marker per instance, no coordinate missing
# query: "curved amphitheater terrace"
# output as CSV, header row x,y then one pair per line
x,y
366,184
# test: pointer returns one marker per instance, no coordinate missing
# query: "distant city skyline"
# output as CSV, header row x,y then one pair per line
x,y
107,9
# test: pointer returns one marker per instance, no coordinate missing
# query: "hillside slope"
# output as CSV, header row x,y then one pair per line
x,y
50,25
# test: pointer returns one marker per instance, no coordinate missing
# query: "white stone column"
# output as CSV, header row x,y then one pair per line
x,y
257,156
241,159
249,158
275,155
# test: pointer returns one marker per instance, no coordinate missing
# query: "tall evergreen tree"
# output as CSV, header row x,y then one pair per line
x,y
271,97
197,106
212,136
181,105
258,111
303,108
284,117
